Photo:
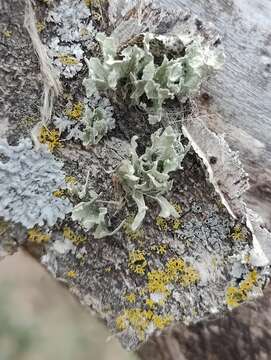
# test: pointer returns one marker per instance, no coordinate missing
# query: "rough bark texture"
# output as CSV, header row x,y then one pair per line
x,y
20,101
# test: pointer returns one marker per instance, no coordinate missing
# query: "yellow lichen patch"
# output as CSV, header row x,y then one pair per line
x,y
7,33
178,208
67,59
76,239
174,266
236,295
189,277
161,322
140,320
137,235
160,249
150,303
161,223
238,234
76,111
131,298
108,269
71,180
40,26
59,193
121,322
137,262
176,224
37,236
88,2
3,227
158,281
71,274
50,138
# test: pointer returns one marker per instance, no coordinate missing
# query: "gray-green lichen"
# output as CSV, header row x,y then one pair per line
x,y
148,175
28,178
157,68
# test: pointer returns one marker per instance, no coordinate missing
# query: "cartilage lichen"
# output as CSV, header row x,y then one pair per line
x,y
151,69
148,175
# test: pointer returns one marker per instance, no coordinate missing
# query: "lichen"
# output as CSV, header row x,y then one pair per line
x,y
76,239
148,174
37,236
76,111
49,137
137,262
146,74
28,179
237,295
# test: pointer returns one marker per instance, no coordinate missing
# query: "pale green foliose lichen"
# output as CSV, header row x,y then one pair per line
x,y
148,175
150,73
28,179
92,216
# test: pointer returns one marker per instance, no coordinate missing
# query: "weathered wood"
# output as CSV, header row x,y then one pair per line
x,y
239,97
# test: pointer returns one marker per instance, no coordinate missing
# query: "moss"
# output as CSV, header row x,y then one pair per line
x,y
137,262
38,237
76,111
50,137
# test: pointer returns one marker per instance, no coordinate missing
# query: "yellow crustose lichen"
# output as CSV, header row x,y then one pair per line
x,y
59,193
137,262
140,320
76,239
238,234
71,180
67,59
71,274
160,249
76,111
131,298
176,271
236,295
37,236
40,26
50,138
